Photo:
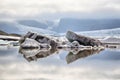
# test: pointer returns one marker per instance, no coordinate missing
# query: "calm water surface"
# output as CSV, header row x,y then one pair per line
x,y
59,64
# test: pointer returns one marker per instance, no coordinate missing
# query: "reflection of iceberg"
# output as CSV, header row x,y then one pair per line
x,y
81,54
74,54
34,54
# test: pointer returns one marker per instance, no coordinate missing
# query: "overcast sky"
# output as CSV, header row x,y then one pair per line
x,y
47,8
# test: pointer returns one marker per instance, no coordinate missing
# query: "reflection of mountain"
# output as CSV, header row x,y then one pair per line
x,y
71,57
34,54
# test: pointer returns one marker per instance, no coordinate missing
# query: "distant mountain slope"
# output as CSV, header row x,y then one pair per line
x,y
9,27
16,28
2,32
66,24
33,23
13,34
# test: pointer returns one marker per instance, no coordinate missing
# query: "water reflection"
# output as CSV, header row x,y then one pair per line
x,y
73,53
105,65
34,54
71,57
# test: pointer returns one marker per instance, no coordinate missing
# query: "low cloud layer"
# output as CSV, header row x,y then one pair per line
x,y
33,8
52,72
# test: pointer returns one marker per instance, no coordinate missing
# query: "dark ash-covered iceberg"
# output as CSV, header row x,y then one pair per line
x,y
83,40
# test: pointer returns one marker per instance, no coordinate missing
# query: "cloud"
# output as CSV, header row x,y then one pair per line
x,y
36,71
32,8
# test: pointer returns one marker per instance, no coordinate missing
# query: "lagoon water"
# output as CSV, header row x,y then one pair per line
x,y
59,64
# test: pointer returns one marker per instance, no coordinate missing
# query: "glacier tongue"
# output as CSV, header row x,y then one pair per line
x,y
100,33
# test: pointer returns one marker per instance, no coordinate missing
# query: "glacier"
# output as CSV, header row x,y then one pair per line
x,y
100,33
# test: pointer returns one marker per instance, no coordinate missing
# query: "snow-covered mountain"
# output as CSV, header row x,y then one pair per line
x,y
33,23
66,24
16,27
9,27
100,34
89,27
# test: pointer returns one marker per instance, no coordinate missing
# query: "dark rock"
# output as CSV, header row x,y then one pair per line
x,y
83,40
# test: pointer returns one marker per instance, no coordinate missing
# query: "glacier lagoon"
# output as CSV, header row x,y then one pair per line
x,y
59,64
62,64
